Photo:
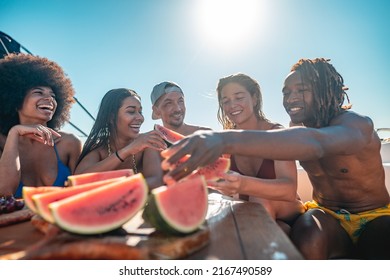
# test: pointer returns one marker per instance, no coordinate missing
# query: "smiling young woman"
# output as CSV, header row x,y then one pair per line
x,y
36,97
272,183
115,141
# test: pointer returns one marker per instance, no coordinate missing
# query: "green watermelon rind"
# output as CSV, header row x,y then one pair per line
x,y
157,217
28,192
170,135
42,207
88,229
152,215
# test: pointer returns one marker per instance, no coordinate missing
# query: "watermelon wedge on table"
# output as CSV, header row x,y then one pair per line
x,y
29,191
42,200
80,179
180,208
101,209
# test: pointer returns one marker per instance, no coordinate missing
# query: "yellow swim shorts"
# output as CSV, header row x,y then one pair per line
x,y
352,223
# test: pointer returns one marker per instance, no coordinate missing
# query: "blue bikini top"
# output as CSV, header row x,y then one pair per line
x,y
62,175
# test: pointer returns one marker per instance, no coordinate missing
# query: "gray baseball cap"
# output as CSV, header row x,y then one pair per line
x,y
161,89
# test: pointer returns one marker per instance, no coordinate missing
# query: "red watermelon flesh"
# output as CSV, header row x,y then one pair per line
x,y
42,201
29,191
80,179
180,208
102,209
211,172
170,136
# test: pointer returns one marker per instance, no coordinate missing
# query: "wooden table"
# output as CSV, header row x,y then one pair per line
x,y
241,230
238,230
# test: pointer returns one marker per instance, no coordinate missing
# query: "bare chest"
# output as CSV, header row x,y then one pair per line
x,y
249,166
335,167
38,165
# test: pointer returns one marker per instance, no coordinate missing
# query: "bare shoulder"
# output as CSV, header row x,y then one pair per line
x,y
196,128
354,120
190,129
68,136
355,126
68,139
274,125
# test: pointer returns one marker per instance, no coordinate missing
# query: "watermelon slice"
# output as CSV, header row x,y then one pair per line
x,y
180,208
102,209
29,191
80,179
170,136
42,200
210,172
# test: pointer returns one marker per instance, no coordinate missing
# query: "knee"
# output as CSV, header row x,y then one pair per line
x,y
308,236
374,241
307,232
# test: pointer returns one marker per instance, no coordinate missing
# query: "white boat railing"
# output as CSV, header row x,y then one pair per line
x,y
384,134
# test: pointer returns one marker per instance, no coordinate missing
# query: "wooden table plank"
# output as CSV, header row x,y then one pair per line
x,y
224,240
15,238
237,230
260,236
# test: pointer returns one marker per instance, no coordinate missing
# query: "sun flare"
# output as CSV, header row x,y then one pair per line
x,y
228,23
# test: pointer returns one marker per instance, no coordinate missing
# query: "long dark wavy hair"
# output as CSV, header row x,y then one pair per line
x,y
105,124
21,72
327,87
251,85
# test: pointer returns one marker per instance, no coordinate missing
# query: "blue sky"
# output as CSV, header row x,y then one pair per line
x,y
105,44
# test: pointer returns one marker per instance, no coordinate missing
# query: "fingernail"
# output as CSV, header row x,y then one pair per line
x,y
165,165
167,179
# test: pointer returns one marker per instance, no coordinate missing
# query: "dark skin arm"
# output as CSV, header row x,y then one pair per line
x,y
347,134
10,167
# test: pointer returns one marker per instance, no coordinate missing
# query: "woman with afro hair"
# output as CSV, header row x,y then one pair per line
x,y
36,97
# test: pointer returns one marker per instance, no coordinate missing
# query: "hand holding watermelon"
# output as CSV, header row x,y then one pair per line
x,y
152,139
230,183
205,148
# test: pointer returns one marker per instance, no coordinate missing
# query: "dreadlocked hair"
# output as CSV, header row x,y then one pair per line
x,y
328,86
251,85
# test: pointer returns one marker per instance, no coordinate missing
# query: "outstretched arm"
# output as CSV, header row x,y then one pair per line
x,y
346,135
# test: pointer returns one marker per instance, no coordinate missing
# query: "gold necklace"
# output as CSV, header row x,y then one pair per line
x,y
132,156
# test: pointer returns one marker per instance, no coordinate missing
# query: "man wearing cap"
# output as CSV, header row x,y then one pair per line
x,y
169,106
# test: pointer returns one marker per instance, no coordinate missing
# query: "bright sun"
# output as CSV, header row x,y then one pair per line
x,y
228,23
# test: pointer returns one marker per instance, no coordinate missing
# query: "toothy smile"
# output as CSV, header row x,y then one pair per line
x,y
294,110
46,107
235,112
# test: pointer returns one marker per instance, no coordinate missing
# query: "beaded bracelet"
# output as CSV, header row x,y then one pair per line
x,y
117,155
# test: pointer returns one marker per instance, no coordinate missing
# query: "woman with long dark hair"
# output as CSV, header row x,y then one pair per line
x,y
115,141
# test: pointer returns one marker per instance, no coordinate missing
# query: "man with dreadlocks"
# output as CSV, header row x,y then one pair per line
x,y
339,149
